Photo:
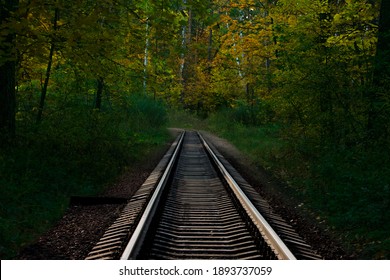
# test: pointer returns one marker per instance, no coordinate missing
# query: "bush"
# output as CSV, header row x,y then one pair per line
x,y
73,151
347,187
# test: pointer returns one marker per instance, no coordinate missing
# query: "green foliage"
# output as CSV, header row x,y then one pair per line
x,y
261,143
74,151
256,113
347,188
185,119
352,194
147,111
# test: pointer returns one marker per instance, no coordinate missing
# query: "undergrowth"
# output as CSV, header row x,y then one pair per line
x,y
75,151
347,188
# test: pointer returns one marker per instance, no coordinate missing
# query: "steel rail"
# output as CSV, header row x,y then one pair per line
x,y
270,236
133,247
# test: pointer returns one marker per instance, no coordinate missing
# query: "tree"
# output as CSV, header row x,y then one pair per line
x,y
7,69
49,64
376,124
383,47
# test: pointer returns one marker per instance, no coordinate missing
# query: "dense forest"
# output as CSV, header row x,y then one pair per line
x,y
87,87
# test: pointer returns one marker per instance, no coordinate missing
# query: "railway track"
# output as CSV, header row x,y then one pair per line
x,y
195,205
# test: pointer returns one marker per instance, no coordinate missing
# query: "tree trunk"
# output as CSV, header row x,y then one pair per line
x,y
99,93
146,57
185,67
7,76
189,35
210,46
383,46
381,72
48,69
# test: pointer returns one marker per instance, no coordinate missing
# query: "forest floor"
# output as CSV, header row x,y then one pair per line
x,y
82,225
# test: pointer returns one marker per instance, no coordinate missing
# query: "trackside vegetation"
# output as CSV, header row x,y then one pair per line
x,y
77,151
346,190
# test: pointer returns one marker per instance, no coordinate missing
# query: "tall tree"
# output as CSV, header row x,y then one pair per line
x,y
375,125
99,93
49,65
7,68
383,47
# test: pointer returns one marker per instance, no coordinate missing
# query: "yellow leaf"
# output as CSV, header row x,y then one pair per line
x,y
337,18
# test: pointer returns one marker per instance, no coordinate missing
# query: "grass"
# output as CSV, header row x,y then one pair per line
x,y
186,120
347,189
77,151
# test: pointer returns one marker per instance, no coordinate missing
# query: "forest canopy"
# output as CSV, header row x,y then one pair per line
x,y
317,65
